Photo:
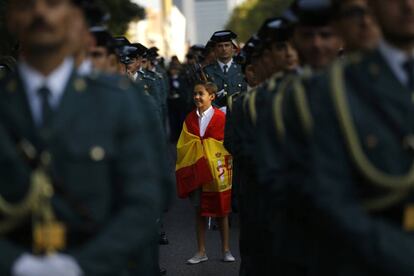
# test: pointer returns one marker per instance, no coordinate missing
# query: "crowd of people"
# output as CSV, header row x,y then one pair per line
x,y
304,131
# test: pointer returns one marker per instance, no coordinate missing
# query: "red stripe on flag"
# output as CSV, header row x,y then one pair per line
x,y
215,204
192,177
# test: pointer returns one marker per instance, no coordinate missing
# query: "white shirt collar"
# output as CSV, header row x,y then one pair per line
x,y
56,82
205,113
85,68
221,64
395,58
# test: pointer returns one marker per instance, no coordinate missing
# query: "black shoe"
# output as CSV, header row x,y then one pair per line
x,y
163,239
163,271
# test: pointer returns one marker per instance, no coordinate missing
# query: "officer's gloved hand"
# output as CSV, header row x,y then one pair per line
x,y
53,265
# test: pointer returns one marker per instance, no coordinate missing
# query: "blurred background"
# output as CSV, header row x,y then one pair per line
x,y
174,25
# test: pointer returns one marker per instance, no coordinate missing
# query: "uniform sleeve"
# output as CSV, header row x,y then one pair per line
x,y
134,224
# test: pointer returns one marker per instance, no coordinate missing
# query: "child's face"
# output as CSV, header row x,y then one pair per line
x,y
202,98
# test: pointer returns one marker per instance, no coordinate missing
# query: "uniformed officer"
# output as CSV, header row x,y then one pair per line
x,y
88,14
292,247
103,53
314,35
355,24
160,81
233,141
356,203
225,73
275,51
80,189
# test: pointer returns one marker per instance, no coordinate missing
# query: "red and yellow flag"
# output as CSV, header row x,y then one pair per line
x,y
204,162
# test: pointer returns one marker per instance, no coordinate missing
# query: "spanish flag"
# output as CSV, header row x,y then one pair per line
x,y
204,162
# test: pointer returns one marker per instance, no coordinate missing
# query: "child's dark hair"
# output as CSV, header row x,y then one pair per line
x,y
211,87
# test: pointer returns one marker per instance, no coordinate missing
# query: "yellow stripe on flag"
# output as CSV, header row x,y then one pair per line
x,y
189,149
220,162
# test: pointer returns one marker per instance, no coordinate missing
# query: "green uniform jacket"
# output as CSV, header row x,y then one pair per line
x,y
352,171
231,83
104,157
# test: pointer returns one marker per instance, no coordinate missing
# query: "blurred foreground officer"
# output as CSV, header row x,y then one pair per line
x,y
314,36
225,73
356,25
292,245
80,191
358,117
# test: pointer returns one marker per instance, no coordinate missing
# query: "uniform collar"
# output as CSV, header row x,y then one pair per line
x,y
395,59
221,64
56,81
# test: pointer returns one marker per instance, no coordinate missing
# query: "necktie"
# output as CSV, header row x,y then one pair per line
x,y
409,70
225,67
47,112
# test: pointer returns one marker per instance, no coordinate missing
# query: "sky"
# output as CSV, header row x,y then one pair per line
x,y
155,4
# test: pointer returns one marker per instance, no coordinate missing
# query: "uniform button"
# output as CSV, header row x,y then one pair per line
x,y
240,85
80,85
225,85
97,153
371,141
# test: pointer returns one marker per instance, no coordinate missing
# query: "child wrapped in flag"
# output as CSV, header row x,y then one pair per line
x,y
204,168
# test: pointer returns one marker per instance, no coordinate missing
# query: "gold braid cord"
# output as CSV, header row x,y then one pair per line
x,y
398,185
303,107
278,108
252,106
40,189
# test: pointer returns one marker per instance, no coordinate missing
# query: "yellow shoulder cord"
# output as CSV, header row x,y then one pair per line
x,y
252,107
278,108
230,102
303,107
400,184
245,101
231,99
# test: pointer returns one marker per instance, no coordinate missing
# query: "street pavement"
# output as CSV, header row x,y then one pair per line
x,y
180,227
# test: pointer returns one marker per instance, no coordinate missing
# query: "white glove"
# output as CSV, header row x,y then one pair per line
x,y
53,265
221,93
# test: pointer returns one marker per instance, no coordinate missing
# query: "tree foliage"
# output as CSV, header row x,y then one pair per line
x,y
122,13
249,16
